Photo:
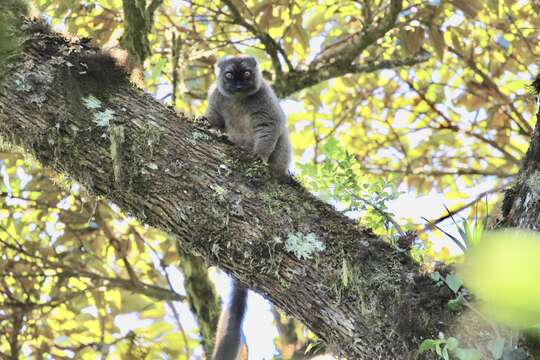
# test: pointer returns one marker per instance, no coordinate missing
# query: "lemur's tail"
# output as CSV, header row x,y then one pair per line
x,y
229,336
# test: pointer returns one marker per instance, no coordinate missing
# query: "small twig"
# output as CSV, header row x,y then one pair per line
x,y
452,237
463,207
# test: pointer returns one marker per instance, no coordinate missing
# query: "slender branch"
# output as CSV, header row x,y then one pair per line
x,y
438,173
523,125
301,79
152,291
175,56
451,126
152,7
271,46
347,50
15,346
462,207
170,304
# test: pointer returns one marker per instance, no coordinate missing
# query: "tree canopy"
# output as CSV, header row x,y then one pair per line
x,y
430,95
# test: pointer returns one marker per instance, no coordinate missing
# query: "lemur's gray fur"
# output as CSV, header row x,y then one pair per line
x,y
229,335
246,107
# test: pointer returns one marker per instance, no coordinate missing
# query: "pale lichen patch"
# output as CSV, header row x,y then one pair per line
x,y
91,102
303,246
103,118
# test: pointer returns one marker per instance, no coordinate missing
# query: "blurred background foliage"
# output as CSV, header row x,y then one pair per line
x,y
384,97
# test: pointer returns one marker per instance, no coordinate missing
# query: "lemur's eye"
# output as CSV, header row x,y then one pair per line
x,y
229,76
247,74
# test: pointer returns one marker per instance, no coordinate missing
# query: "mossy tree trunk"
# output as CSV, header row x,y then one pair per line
x,y
218,203
521,206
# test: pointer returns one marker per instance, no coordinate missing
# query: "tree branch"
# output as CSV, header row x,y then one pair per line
x,y
271,46
300,79
439,173
152,291
348,50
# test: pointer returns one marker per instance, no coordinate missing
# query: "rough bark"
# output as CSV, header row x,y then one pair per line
x,y
202,297
218,202
521,205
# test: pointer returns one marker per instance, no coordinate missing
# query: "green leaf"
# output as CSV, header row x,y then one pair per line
x,y
455,304
445,354
452,343
502,271
157,69
496,348
468,354
467,232
453,282
428,344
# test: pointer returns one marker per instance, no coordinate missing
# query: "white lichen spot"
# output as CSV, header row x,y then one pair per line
x,y
533,181
152,166
528,198
223,169
218,189
197,135
103,118
91,102
21,84
303,246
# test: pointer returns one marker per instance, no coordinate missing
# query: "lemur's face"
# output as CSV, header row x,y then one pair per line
x,y
238,75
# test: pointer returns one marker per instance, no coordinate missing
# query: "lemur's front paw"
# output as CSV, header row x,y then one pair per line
x,y
203,120
263,156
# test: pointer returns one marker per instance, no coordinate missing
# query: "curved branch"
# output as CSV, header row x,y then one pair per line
x,y
271,46
297,80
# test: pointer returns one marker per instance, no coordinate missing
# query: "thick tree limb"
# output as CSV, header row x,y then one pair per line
x,y
292,82
138,21
359,294
521,205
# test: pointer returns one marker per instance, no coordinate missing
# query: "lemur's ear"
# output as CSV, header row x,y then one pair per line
x,y
222,61
250,60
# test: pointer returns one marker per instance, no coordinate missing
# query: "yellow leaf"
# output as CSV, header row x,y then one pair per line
x,y
411,40
266,17
437,40
301,35
469,7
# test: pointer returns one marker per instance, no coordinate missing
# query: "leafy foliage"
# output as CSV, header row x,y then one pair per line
x,y
427,95
338,179
445,347
72,268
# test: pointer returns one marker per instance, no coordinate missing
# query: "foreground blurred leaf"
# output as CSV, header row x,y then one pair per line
x,y
503,272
